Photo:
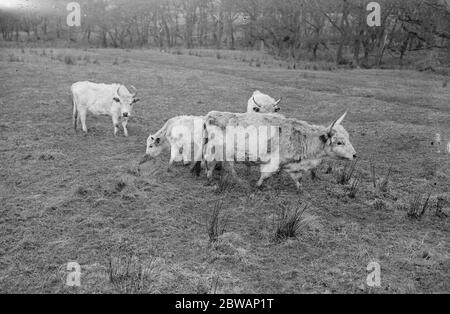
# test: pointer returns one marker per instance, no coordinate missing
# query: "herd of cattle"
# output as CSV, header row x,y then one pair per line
x,y
261,136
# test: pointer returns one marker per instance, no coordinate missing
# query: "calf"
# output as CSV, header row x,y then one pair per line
x,y
178,134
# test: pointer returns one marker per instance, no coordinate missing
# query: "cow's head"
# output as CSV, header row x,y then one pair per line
x,y
154,148
125,100
337,141
263,103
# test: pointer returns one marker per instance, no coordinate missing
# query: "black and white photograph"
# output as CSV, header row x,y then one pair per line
x,y
224,152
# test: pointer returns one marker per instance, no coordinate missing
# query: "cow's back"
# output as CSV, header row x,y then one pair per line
x,y
297,139
95,97
192,124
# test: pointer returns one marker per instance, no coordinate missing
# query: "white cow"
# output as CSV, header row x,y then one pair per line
x,y
262,103
293,145
182,135
102,99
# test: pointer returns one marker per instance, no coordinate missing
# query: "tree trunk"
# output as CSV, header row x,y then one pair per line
x,y
343,30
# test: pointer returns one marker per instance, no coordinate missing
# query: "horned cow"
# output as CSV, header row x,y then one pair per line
x,y
290,145
102,99
262,103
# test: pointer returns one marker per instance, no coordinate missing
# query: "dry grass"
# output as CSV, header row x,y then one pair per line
x,y
353,188
289,221
216,224
418,206
380,186
70,60
346,174
65,197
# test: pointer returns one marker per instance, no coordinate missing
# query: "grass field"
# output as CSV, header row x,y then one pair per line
x,y
67,197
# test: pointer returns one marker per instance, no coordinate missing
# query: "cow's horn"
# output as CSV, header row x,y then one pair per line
x,y
134,90
118,91
256,102
278,101
338,121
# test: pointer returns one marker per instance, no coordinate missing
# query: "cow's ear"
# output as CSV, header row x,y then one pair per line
x,y
324,137
255,109
116,99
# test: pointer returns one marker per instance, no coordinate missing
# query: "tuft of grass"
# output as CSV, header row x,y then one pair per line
x,y
289,222
96,61
215,282
218,55
128,274
215,224
224,184
439,207
354,185
417,207
116,61
346,174
69,60
382,185
379,205
82,191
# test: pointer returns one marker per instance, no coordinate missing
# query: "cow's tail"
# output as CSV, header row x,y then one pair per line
x,y
75,113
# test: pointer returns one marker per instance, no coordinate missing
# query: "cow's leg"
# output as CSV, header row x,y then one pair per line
x,y
197,163
267,170
74,116
210,165
174,152
83,120
124,125
249,167
115,120
210,168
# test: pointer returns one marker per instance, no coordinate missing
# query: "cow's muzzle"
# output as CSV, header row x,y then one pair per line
x,y
144,159
277,109
125,114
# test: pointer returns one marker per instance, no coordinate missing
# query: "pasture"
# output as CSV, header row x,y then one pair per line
x,y
67,197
